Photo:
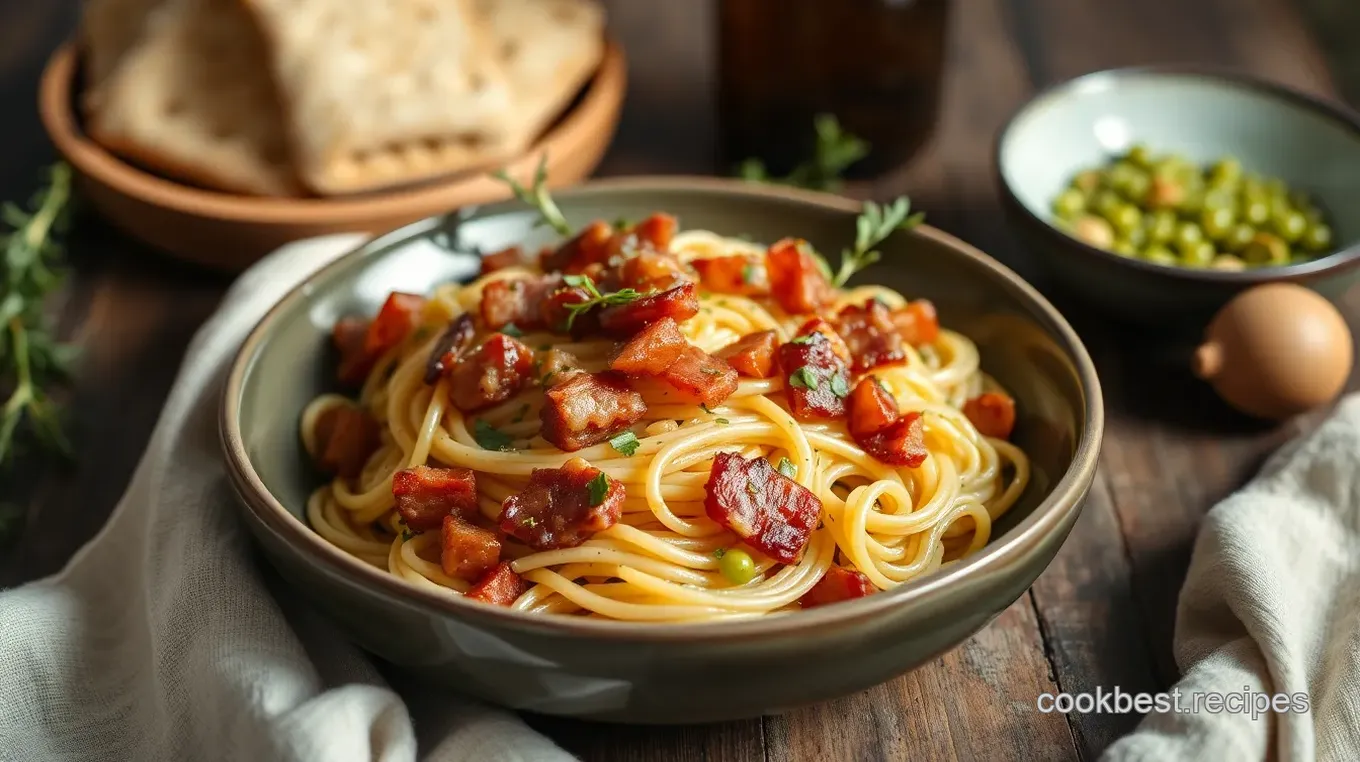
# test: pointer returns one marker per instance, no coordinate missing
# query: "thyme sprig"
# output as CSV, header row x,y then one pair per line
x,y
538,197
833,153
874,224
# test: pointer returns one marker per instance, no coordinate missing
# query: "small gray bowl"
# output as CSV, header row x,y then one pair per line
x,y
645,672
1312,145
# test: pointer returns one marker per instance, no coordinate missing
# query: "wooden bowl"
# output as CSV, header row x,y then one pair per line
x,y
227,231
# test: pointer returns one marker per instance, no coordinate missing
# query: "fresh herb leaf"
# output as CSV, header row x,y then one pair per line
x,y
407,534
874,224
622,296
834,152
510,329
719,553
528,521
752,488
748,274
490,437
803,377
838,386
723,421
805,338
599,488
30,358
537,196
787,468
519,415
626,443
623,223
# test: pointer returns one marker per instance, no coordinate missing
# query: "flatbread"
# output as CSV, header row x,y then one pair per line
x,y
108,30
385,92
548,50
193,99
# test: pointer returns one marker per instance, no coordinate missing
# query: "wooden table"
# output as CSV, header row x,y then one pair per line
x,y
1103,613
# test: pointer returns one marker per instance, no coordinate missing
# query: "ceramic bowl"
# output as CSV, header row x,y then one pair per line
x,y
646,672
228,232
1312,145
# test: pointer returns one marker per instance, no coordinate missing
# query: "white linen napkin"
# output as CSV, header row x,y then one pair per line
x,y
159,640
1271,606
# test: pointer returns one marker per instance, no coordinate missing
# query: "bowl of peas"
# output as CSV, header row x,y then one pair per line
x,y
1156,195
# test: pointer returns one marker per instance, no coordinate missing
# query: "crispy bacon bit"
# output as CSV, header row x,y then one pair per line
x,y
795,279
655,232
752,355
492,373
699,378
895,438
734,274
838,345
871,336
838,584
993,413
645,272
589,408
517,300
769,511
466,550
623,320
652,351
499,260
816,380
448,347
348,336
555,366
398,316
500,587
345,438
917,322
425,495
563,507
591,245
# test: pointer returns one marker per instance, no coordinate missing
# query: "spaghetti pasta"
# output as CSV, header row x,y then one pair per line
x,y
662,560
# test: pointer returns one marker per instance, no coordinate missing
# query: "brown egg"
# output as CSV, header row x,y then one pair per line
x,y
1275,351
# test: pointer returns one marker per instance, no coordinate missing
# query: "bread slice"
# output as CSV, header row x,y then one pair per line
x,y
385,92
193,99
108,30
548,50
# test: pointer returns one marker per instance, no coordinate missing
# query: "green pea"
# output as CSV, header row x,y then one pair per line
x,y
1126,218
1160,225
1069,203
1193,202
1317,238
1124,248
1187,235
1226,171
1105,202
1266,249
1198,255
1220,198
1239,237
1228,262
1136,186
1279,206
1087,182
737,566
1253,187
1256,212
1137,237
1290,226
1160,255
1217,222
1140,156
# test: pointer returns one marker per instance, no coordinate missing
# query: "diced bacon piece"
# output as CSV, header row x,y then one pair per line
x,y
917,322
345,438
838,584
348,336
645,272
816,379
769,511
500,587
656,232
651,351
425,495
397,317
466,550
562,507
588,408
734,274
517,300
699,378
492,373
892,437
795,279
555,366
871,336
753,354
623,320
499,260
838,345
588,247
993,413
448,347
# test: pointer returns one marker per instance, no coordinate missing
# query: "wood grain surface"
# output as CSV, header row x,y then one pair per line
x,y
1102,615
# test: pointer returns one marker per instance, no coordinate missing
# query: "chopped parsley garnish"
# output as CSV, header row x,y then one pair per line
x,y
623,296
523,411
626,443
510,329
407,534
752,488
710,371
719,553
806,338
803,377
838,386
723,421
748,274
623,223
528,521
787,468
490,437
598,488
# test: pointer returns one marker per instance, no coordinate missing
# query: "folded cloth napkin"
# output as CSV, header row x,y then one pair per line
x,y
159,640
1271,606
